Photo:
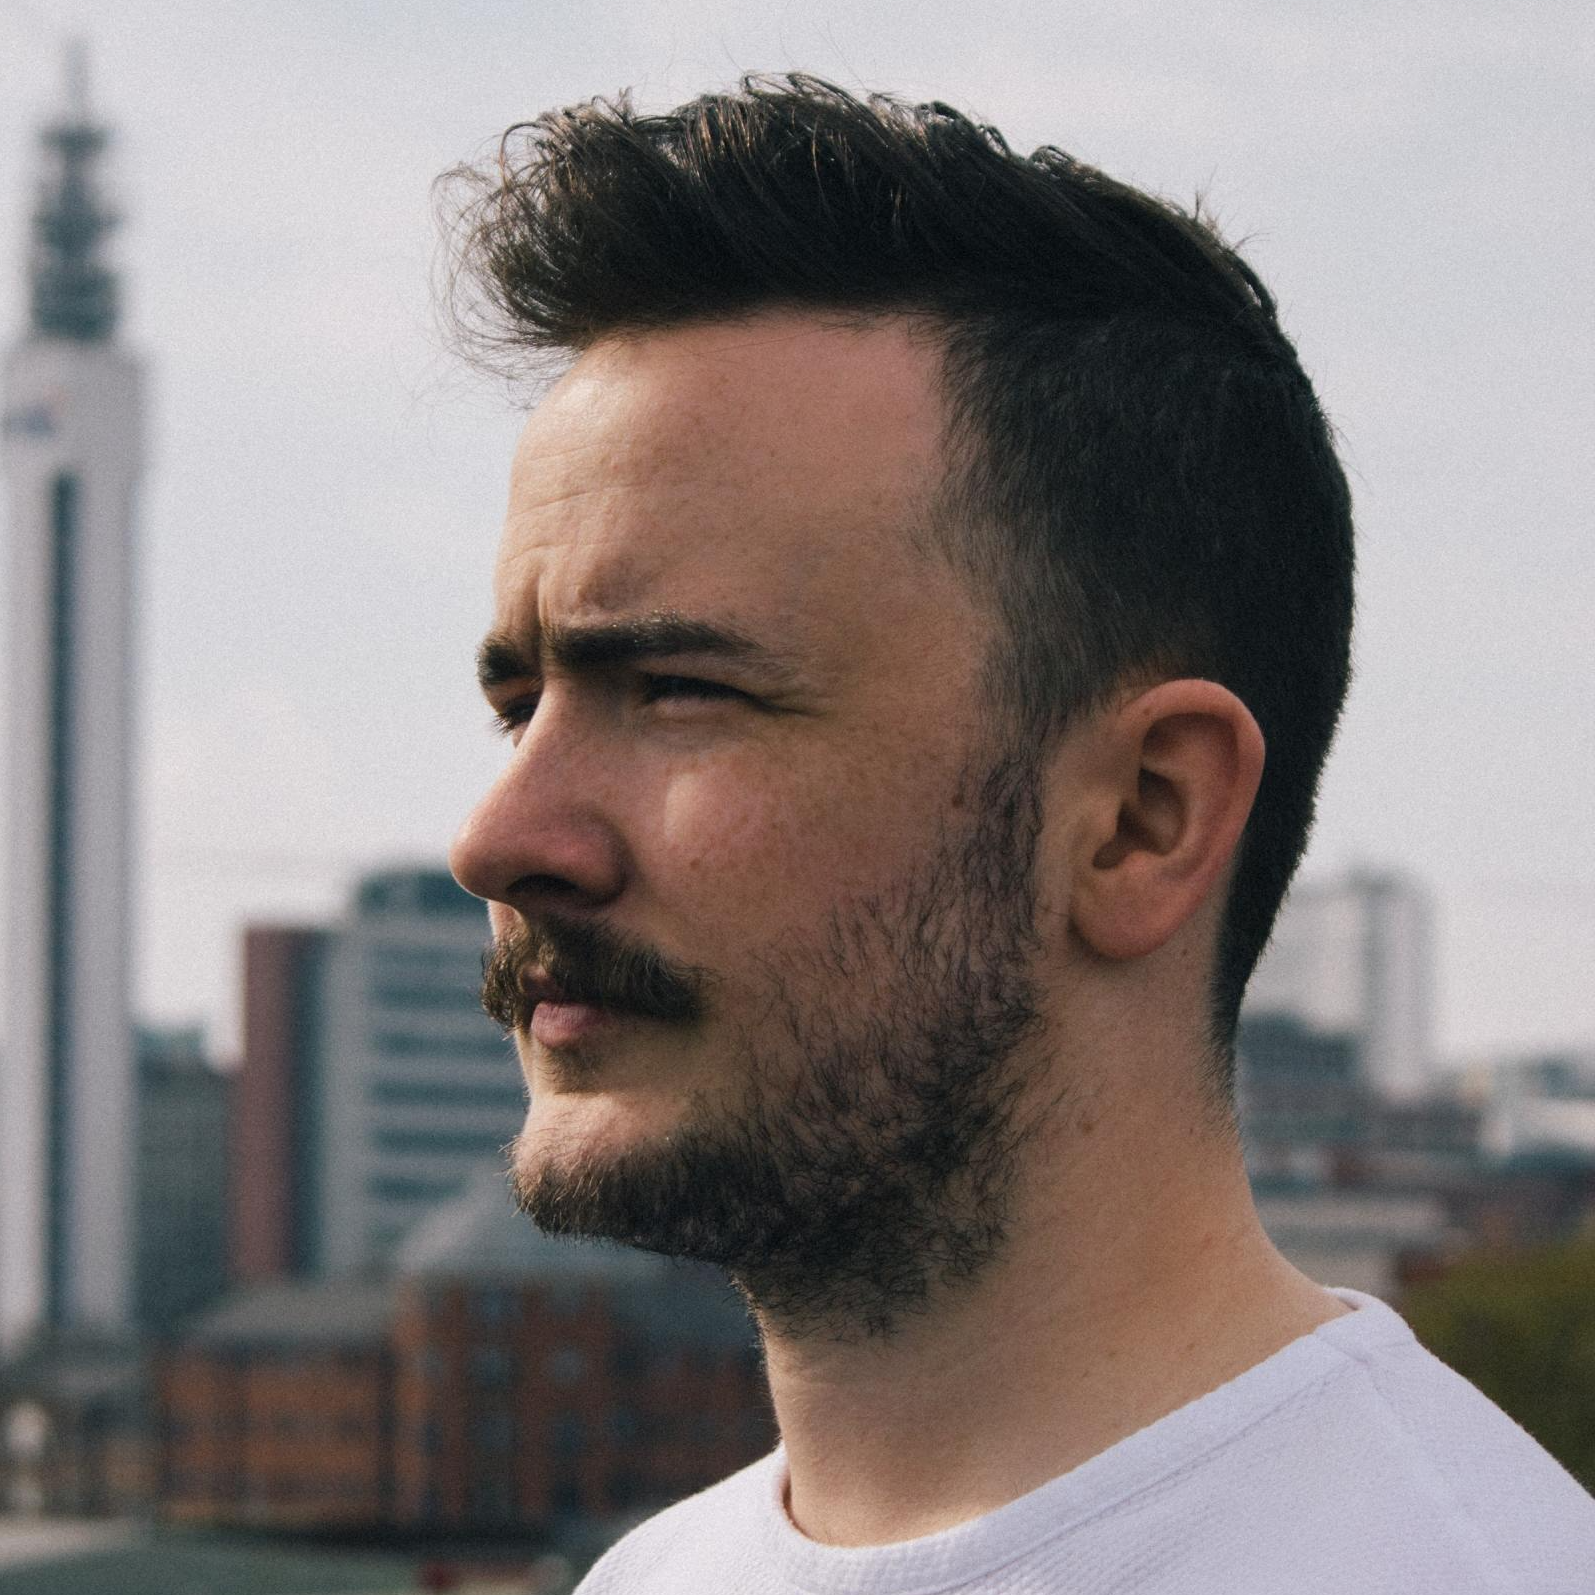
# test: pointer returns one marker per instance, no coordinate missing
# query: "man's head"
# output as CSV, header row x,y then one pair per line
x,y
891,595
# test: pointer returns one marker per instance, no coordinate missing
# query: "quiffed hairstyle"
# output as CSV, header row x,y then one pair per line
x,y
1141,478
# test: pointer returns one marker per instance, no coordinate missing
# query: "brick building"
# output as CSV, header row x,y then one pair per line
x,y
272,1150
500,1380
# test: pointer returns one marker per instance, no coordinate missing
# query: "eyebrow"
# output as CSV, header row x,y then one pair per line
x,y
501,659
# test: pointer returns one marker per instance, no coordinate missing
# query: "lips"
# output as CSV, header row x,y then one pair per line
x,y
539,988
559,1021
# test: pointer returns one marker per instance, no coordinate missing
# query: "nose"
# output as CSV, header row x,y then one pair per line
x,y
543,836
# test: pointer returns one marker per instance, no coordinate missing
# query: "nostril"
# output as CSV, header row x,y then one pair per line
x,y
545,886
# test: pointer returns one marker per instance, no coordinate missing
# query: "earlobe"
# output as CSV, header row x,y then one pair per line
x,y
1181,764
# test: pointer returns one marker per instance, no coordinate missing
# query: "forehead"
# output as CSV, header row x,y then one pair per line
x,y
778,462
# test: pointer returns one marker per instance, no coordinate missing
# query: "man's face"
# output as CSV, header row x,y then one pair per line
x,y
756,819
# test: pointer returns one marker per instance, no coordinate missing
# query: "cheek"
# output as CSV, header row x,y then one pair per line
x,y
768,849
726,837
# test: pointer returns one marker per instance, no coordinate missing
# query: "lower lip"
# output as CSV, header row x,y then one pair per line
x,y
560,1024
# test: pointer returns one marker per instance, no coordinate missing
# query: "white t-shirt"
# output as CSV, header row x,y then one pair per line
x,y
1352,1462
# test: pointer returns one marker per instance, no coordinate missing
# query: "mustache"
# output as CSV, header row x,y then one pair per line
x,y
588,964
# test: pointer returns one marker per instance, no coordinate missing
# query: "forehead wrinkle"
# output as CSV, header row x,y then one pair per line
x,y
599,569
666,474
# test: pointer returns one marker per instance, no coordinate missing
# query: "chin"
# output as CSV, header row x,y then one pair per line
x,y
614,1168
585,1131
553,1155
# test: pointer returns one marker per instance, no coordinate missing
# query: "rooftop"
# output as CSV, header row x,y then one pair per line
x,y
341,1313
481,1236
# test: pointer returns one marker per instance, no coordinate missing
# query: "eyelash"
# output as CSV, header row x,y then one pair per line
x,y
655,689
512,717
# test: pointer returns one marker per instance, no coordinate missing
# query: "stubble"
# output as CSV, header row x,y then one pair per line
x,y
872,1157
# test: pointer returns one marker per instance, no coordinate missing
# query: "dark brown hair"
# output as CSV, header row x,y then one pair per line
x,y
1141,474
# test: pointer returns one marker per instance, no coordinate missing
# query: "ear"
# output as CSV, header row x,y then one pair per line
x,y
1177,770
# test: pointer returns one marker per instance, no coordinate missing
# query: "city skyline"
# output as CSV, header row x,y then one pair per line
x,y
327,481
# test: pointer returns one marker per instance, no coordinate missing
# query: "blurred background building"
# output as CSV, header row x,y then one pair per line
x,y
418,1087
274,1144
1354,958
1372,1166
180,1179
372,1086
72,449
494,1377
1542,1110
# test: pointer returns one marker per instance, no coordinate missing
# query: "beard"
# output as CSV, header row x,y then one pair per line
x,y
874,1151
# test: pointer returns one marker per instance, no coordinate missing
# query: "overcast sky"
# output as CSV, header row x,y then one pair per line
x,y
325,484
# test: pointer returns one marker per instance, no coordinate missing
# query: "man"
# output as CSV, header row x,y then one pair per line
x,y
922,615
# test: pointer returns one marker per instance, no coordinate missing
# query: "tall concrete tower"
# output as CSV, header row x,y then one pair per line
x,y
1355,957
72,407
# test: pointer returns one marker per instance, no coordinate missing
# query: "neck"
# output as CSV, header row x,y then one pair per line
x,y
1136,1278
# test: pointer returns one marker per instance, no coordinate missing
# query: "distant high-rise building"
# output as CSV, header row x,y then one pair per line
x,y
273,1144
1355,957
181,1179
72,444
418,1087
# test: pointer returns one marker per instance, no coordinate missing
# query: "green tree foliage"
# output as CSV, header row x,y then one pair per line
x,y
1522,1328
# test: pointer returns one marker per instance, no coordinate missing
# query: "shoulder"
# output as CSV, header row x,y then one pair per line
x,y
1397,1462
673,1550
1492,1471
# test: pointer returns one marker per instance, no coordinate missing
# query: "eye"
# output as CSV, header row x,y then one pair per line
x,y
513,716
658,689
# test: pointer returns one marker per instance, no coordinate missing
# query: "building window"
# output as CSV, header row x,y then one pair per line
x,y
432,1142
492,1499
495,1306
494,1431
64,891
487,1049
503,1095
426,994
565,1366
490,1365
628,1359
625,1491
401,1188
